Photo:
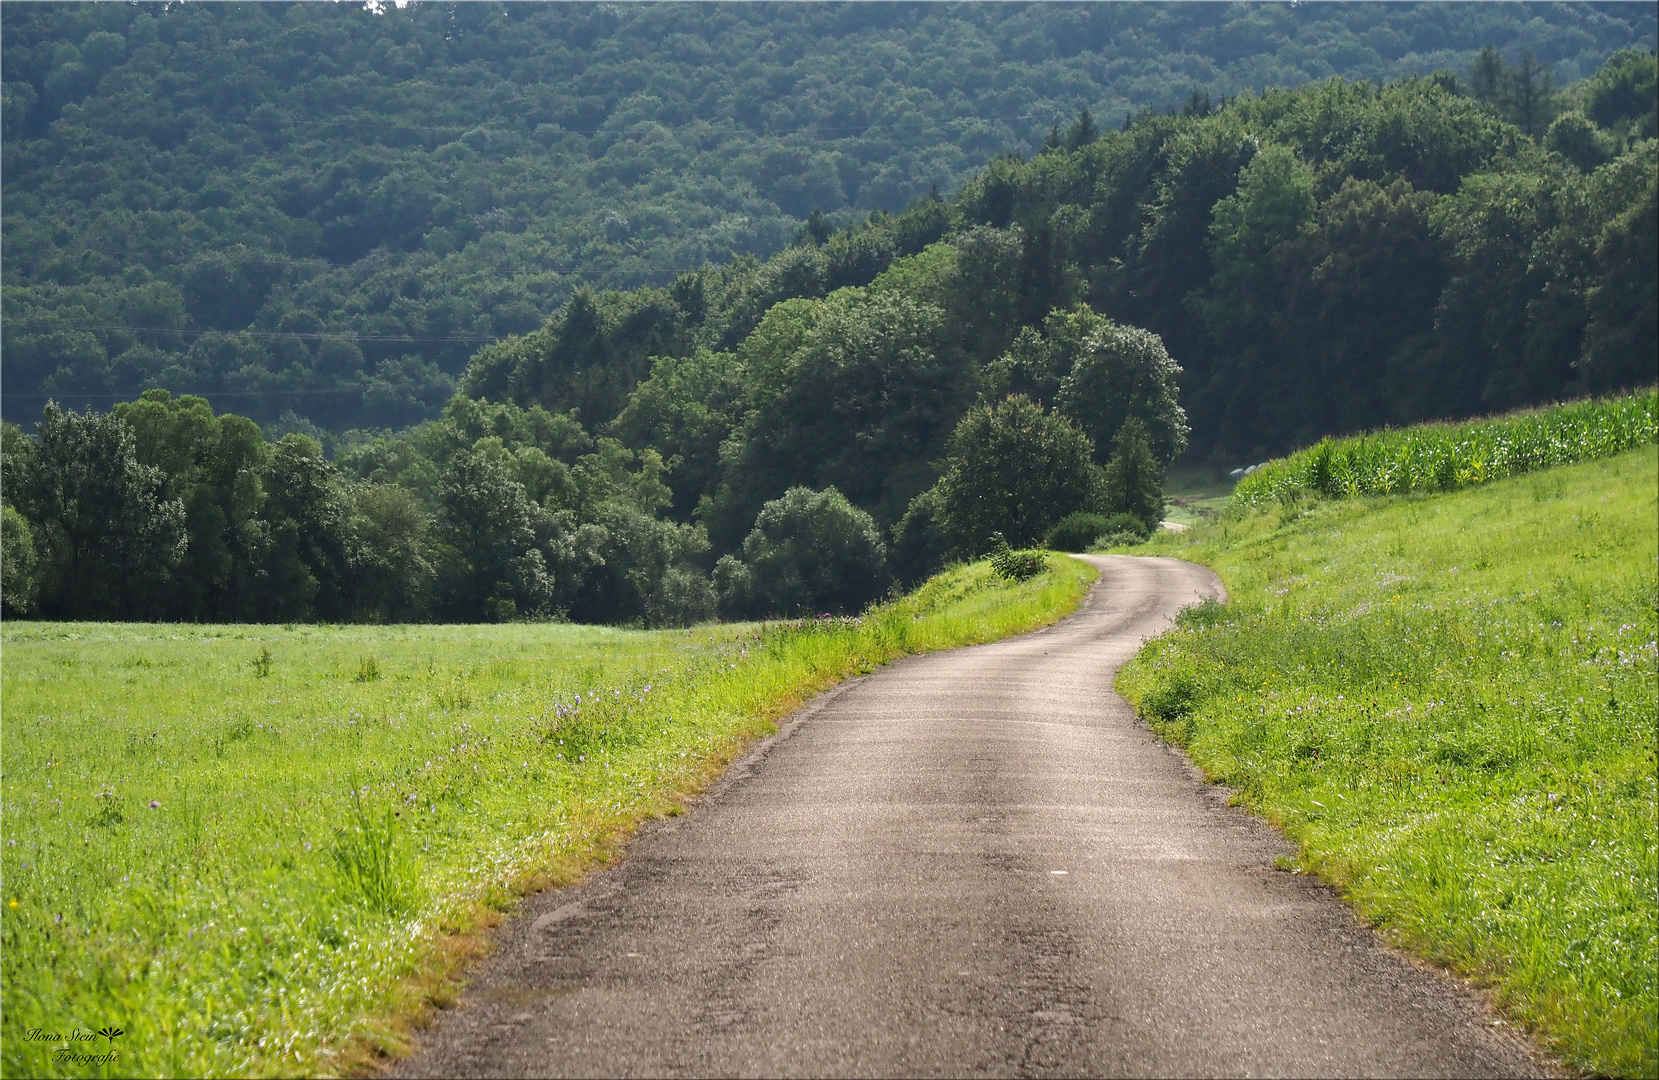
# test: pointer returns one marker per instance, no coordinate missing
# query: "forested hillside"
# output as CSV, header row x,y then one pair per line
x,y
1219,282
324,209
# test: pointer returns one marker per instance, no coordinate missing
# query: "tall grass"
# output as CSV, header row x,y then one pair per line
x,y
1449,703
255,850
1445,457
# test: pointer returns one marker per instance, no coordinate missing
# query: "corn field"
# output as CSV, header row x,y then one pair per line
x,y
1444,457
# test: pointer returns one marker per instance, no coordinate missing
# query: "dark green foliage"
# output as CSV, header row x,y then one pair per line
x,y
1579,141
587,359
859,391
1122,373
329,209
1078,531
684,597
685,410
1015,565
1133,482
1620,97
1319,260
313,548
639,568
810,552
1543,264
394,571
920,546
107,536
1124,529
1523,95
17,562
489,566
1621,339
1015,470
216,467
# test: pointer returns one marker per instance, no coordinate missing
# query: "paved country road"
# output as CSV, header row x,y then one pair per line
x,y
968,863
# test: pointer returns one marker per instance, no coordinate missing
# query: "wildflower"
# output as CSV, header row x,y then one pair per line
x,y
154,804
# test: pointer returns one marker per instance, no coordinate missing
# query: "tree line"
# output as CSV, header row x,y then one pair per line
x,y
321,209
878,398
161,510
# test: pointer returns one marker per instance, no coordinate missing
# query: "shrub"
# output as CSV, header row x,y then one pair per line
x,y
810,551
1016,565
1078,531
1122,530
733,586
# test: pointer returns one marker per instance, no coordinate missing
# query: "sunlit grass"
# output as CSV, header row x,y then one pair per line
x,y
242,844
1450,702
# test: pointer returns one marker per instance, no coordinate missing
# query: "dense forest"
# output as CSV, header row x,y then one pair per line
x,y
1013,363
325,210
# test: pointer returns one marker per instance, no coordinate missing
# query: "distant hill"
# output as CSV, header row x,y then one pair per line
x,y
327,210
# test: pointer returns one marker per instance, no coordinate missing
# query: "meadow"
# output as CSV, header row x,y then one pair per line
x,y
256,850
1446,457
1448,702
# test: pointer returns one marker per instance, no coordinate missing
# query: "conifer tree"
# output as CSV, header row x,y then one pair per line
x,y
1134,483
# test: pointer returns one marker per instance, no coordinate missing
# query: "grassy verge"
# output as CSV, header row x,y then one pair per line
x,y
263,850
1195,493
1449,702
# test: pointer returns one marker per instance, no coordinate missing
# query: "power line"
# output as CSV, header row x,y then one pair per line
x,y
134,395
394,124
318,335
305,261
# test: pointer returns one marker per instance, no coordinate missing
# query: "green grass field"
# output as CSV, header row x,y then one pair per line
x,y
1449,702
1195,493
261,849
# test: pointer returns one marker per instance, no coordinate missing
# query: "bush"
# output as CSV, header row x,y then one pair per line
x,y
1016,565
1123,530
810,552
1014,470
1076,532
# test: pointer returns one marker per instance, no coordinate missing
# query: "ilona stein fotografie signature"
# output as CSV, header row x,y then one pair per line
x,y
78,1045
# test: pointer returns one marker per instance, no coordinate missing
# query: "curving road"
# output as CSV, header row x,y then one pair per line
x,y
973,862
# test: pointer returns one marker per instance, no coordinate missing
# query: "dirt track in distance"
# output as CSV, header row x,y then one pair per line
x,y
968,863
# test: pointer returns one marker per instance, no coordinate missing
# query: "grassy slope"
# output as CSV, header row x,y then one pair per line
x,y
1449,702
1195,494
218,928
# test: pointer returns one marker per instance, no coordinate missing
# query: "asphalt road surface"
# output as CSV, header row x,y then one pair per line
x,y
968,863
